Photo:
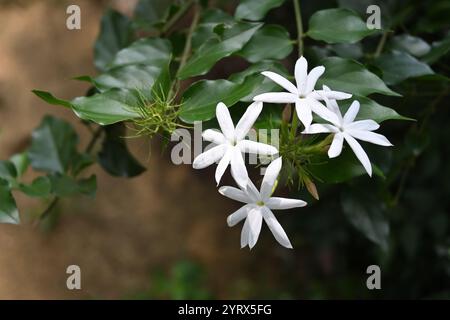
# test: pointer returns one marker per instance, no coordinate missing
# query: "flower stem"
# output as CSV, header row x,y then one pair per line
x,y
381,45
298,21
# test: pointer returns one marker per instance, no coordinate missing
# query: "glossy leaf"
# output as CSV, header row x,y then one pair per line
x,y
269,42
40,187
65,186
438,50
7,170
255,9
53,144
337,26
200,100
20,162
115,33
49,98
115,157
8,207
352,77
150,12
365,212
234,39
398,66
413,45
210,19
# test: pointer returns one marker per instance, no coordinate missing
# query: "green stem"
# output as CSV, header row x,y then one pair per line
x,y
176,17
381,44
187,47
298,21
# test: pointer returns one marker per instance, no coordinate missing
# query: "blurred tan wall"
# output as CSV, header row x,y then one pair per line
x,y
133,226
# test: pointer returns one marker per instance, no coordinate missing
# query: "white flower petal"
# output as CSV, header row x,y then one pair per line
x,y
223,164
312,78
245,233
371,137
323,111
360,153
277,203
252,191
336,146
335,95
276,228
304,112
235,194
237,216
207,158
224,118
282,81
270,177
320,128
254,219
331,103
351,113
259,148
366,125
213,136
238,169
301,71
276,97
248,119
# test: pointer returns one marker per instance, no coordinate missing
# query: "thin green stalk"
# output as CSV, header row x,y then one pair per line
x,y
381,44
298,21
176,17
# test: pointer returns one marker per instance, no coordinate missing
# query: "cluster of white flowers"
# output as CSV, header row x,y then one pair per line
x,y
230,144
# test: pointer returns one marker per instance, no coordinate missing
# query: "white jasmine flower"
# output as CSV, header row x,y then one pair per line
x,y
231,144
346,128
258,205
304,96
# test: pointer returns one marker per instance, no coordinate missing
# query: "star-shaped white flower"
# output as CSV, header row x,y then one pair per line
x,y
231,144
304,96
346,128
258,205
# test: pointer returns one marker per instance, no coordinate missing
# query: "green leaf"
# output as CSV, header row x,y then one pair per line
x,y
65,186
200,100
7,170
269,42
115,33
340,169
398,66
438,50
8,207
105,108
53,145
337,25
139,77
371,109
81,161
352,77
413,45
366,213
152,52
115,157
255,9
151,12
348,50
234,39
211,18
21,162
49,98
40,187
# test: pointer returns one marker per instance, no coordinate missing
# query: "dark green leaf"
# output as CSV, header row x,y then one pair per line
x,y
211,18
21,162
151,12
269,42
7,170
438,50
337,25
352,77
115,157
348,50
366,213
115,33
49,98
412,45
53,145
40,187
234,38
255,9
65,186
109,107
398,66
8,207
200,100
